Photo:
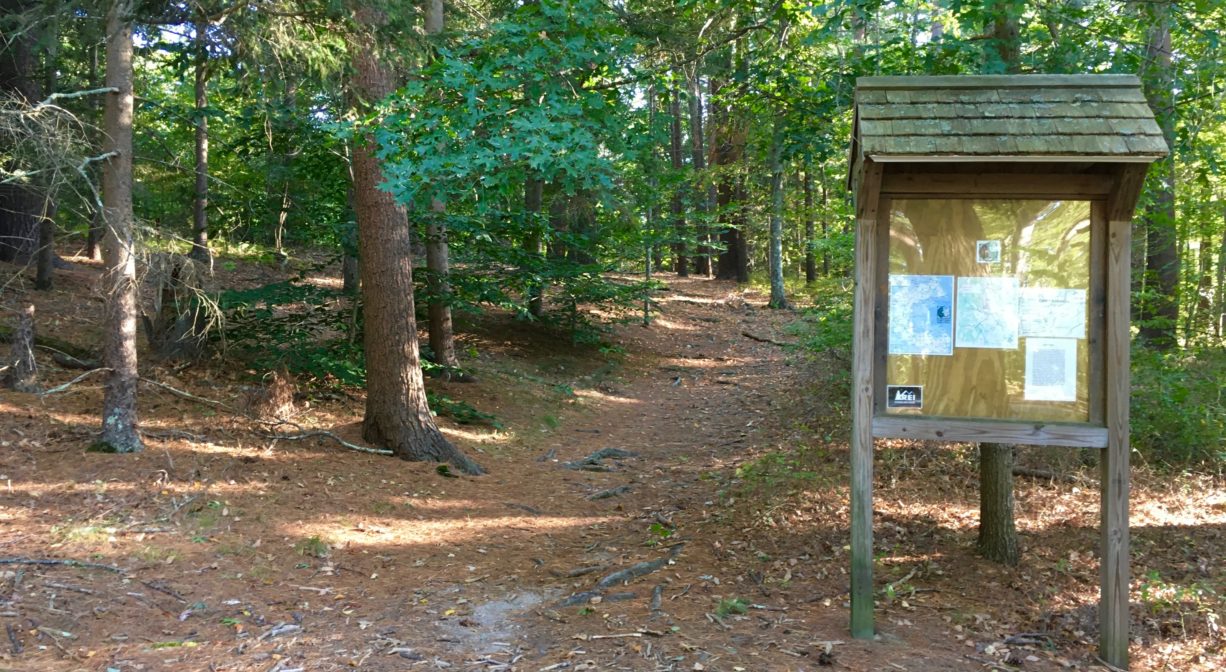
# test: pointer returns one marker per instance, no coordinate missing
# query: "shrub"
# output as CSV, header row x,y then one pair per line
x,y
1179,407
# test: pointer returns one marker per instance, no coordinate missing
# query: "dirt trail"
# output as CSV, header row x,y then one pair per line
x,y
241,554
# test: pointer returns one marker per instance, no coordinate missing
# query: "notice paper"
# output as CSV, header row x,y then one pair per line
x,y
1051,369
1052,313
986,313
921,315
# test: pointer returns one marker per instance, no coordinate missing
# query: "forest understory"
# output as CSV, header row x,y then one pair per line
x,y
672,499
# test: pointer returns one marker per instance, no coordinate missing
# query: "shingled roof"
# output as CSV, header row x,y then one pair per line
x,y
1005,118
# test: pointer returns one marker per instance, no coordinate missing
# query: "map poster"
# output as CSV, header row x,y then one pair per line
x,y
921,315
986,313
1051,369
1052,313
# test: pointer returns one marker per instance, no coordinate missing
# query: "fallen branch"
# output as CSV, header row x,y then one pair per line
x,y
307,434
62,388
763,339
63,562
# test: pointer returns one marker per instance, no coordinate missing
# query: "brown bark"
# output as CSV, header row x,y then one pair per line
x,y
93,239
22,374
534,242
438,262
200,214
698,154
20,204
778,298
397,414
119,433
810,229
997,532
728,149
680,262
44,275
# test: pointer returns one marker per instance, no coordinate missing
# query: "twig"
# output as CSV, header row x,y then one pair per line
x,y
191,397
1109,666
763,339
619,635
77,94
894,584
65,586
61,388
330,435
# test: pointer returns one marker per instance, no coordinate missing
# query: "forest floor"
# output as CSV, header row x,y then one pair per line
x,y
717,541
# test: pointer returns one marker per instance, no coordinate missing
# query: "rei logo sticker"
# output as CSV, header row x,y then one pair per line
x,y
904,396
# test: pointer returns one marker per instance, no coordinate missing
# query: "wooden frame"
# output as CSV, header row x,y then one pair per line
x,y
1085,138
1112,195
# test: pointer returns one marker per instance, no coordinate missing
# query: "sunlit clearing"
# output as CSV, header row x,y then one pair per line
x,y
669,324
485,437
342,531
600,396
326,281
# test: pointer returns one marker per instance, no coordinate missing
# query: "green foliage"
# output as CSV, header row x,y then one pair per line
x,y
826,326
304,328
731,605
1178,407
314,547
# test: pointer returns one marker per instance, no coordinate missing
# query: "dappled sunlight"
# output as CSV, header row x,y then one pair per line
x,y
596,395
385,531
485,437
672,325
325,281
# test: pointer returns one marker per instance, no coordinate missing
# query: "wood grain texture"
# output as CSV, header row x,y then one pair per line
x,y
862,405
1113,604
963,430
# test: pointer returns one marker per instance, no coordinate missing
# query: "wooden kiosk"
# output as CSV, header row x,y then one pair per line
x,y
993,242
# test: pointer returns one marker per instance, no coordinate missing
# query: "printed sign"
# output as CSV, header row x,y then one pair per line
x,y
904,396
987,251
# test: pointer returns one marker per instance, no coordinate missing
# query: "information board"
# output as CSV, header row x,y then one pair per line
x,y
987,312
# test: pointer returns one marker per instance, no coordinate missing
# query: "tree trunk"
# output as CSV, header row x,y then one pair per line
x,y
1159,312
778,295
397,414
20,204
119,433
22,374
200,217
534,241
438,263
698,150
44,276
997,533
825,228
1219,303
677,207
810,229
93,238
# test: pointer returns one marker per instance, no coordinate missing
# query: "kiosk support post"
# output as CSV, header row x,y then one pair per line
x,y
862,406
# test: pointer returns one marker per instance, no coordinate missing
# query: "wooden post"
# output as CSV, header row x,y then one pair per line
x,y
1113,602
862,404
